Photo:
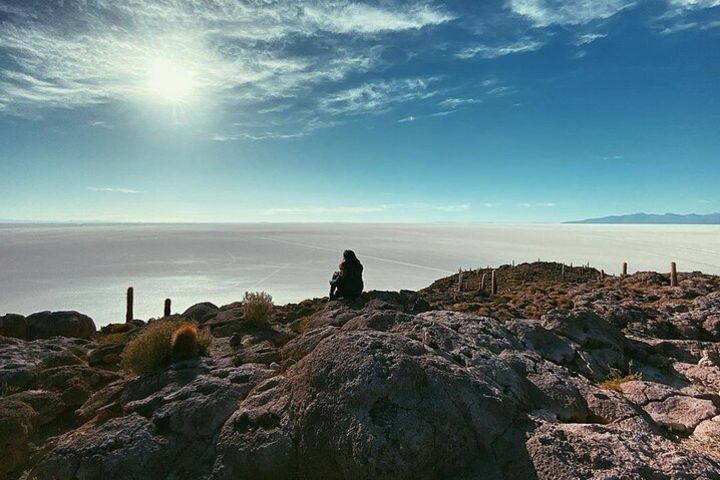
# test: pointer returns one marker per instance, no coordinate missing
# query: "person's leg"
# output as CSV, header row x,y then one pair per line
x,y
333,285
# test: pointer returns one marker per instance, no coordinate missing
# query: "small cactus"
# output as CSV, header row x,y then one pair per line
x,y
673,275
185,342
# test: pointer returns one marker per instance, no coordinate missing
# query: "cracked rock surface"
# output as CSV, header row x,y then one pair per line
x,y
395,385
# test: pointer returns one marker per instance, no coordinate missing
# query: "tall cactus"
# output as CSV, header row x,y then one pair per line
x,y
673,275
129,305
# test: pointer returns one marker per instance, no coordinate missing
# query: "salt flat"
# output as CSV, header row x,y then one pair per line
x,y
88,267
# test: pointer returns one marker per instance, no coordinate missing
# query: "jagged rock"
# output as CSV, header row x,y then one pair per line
x,y
708,432
107,356
395,401
59,324
681,413
572,451
371,388
600,345
16,426
146,426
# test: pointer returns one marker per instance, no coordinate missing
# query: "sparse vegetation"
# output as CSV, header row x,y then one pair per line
x,y
615,380
257,308
7,389
111,338
152,349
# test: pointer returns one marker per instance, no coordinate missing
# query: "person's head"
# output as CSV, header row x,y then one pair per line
x,y
349,256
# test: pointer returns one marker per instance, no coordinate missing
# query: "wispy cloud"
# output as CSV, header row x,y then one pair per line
x,y
586,38
114,190
494,51
361,18
90,53
543,13
363,209
378,96
538,205
457,102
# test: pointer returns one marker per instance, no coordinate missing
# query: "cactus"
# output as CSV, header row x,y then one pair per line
x,y
184,342
482,281
460,280
166,310
493,284
673,275
129,305
624,269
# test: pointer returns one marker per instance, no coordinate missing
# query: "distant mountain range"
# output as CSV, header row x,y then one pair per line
x,y
651,218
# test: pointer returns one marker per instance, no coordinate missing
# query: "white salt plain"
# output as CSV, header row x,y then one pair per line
x,y
89,267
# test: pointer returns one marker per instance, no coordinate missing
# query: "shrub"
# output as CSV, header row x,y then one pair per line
x,y
614,381
111,338
118,328
153,348
257,308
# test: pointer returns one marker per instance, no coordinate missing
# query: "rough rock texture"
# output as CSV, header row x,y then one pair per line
x,y
44,325
392,386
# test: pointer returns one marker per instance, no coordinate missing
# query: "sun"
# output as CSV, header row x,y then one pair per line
x,y
171,82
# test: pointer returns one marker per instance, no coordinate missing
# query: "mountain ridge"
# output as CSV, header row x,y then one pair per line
x,y
656,219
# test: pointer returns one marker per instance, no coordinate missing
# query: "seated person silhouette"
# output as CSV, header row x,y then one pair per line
x,y
347,282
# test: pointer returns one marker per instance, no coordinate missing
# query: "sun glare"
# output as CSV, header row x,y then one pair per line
x,y
170,82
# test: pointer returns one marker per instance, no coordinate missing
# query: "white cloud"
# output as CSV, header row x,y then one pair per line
x,y
80,54
377,96
586,38
362,209
114,190
457,102
543,13
538,205
361,18
694,4
494,51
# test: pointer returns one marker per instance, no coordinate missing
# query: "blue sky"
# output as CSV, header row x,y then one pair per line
x,y
229,110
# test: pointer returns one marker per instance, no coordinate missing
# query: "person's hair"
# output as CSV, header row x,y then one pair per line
x,y
350,266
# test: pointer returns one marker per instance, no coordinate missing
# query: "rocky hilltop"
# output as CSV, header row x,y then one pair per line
x,y
564,373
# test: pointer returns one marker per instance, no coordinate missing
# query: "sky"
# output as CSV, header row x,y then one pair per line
x,y
339,111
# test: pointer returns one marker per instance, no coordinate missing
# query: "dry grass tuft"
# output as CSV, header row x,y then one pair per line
x,y
257,308
614,381
111,338
153,348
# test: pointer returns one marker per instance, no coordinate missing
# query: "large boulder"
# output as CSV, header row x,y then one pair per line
x,y
572,451
387,407
13,325
43,325
201,312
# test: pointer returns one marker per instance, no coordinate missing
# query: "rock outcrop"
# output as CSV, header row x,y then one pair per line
x,y
391,386
44,325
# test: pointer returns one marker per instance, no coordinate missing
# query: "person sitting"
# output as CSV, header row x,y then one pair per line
x,y
347,282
